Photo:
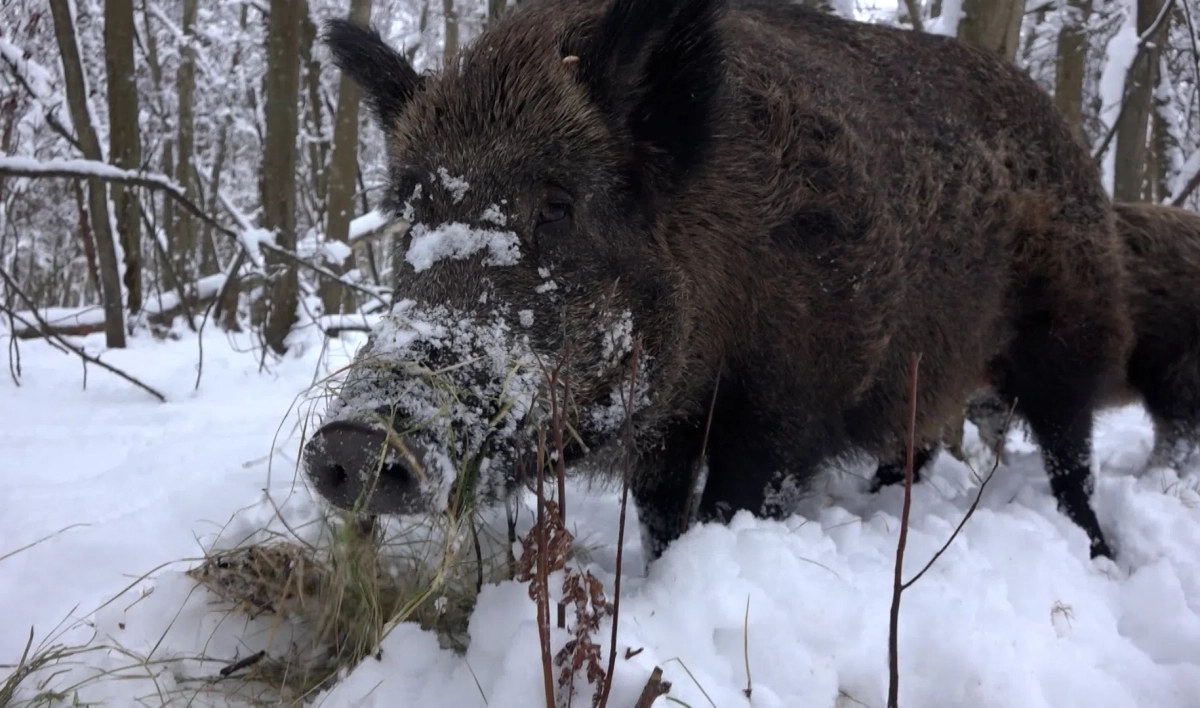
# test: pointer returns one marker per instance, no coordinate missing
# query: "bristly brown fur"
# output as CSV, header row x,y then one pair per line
x,y
1161,248
806,198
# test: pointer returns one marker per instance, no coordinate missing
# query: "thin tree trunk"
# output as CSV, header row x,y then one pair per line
x,y
1071,67
495,10
1158,186
343,167
1133,126
85,131
183,231
278,180
317,148
451,15
422,25
993,24
85,232
124,140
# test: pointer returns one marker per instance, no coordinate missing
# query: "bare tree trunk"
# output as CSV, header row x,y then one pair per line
x,y
993,24
343,167
279,164
183,231
1071,67
1158,185
423,24
85,232
85,131
495,10
451,15
317,147
1134,122
125,146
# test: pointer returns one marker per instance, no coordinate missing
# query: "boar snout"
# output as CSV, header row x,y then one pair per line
x,y
353,466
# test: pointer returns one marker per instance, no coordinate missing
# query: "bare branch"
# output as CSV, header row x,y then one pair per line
x,y
88,358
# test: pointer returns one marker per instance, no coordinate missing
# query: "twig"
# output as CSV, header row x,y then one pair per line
x,y
243,663
87,358
612,648
712,405
542,579
897,584
214,307
971,509
746,649
655,687
560,472
14,350
478,557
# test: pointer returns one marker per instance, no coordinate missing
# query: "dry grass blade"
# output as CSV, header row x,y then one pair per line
x,y
41,540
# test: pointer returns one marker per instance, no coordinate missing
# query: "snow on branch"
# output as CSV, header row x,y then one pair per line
x,y
1187,181
33,75
250,238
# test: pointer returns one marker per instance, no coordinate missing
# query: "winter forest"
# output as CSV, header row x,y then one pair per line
x,y
190,218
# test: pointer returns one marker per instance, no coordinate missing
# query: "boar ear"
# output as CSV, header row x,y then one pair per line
x,y
384,75
655,66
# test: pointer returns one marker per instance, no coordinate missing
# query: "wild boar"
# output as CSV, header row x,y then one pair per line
x,y
774,202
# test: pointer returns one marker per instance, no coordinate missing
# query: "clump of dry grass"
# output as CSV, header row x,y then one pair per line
x,y
341,600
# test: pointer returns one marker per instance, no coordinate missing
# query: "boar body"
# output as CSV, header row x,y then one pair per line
x,y
1161,249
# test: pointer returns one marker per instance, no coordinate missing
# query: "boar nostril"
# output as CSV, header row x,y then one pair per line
x,y
342,463
337,475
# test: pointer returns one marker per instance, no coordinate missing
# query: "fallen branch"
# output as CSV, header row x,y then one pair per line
x,y
159,313
87,358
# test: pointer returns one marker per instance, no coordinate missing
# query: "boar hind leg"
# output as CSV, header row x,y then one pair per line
x,y
1054,377
1063,429
1175,441
660,483
1171,395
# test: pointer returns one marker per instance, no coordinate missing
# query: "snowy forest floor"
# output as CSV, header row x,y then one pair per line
x,y
107,496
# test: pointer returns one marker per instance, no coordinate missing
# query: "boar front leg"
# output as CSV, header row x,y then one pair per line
x,y
661,477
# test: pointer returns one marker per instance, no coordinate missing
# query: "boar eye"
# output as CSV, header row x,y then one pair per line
x,y
552,211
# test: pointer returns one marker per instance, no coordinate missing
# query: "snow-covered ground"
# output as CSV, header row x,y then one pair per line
x,y
1014,614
